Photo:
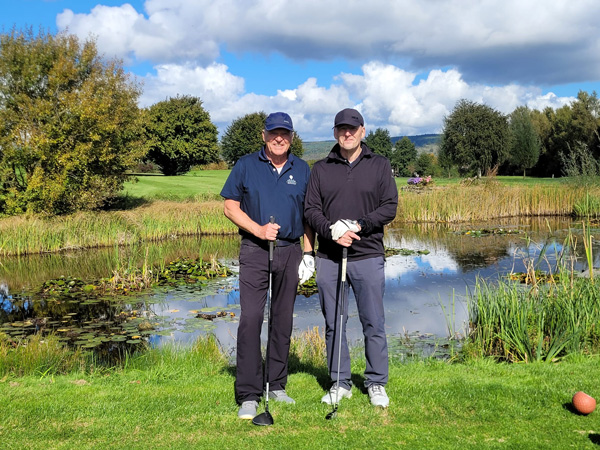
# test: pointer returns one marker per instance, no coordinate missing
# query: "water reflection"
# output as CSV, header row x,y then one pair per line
x,y
425,294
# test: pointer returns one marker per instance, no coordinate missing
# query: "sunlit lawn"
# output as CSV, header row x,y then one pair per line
x,y
194,184
199,183
184,400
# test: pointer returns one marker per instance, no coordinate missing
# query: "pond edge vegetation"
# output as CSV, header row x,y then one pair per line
x,y
159,219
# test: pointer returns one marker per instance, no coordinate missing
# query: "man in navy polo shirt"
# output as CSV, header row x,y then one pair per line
x,y
269,183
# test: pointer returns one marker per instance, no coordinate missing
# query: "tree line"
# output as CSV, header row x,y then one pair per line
x,y
71,131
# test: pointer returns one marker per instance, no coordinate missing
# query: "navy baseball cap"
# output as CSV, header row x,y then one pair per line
x,y
350,117
278,120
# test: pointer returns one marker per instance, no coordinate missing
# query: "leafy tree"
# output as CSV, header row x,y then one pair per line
x,y
69,124
570,127
556,142
380,142
180,135
586,121
403,155
475,137
445,162
525,142
580,162
425,164
244,136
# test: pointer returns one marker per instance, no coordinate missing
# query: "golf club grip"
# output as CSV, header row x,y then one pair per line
x,y
271,243
344,261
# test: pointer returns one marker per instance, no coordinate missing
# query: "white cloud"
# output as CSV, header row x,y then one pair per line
x,y
418,58
387,96
523,41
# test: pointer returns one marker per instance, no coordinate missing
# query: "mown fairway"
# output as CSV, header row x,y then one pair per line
x,y
196,184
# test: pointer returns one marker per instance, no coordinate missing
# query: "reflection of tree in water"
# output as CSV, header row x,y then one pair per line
x,y
471,252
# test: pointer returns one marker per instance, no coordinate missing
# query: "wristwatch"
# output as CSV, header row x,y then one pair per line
x,y
361,223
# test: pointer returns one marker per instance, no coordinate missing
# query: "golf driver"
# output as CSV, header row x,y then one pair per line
x,y
266,418
333,413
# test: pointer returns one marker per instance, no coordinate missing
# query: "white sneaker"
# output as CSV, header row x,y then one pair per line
x,y
248,409
378,396
281,396
334,396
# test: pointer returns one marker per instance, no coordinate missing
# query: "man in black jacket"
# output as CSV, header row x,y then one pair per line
x,y
351,195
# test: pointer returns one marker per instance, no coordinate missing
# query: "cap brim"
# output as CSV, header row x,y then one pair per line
x,y
347,123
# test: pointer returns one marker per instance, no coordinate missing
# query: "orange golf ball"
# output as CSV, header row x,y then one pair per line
x,y
583,403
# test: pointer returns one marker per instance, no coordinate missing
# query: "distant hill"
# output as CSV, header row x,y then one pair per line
x,y
320,149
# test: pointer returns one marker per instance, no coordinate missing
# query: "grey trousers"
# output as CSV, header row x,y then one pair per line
x,y
367,279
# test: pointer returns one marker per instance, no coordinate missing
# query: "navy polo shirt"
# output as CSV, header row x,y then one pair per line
x,y
263,192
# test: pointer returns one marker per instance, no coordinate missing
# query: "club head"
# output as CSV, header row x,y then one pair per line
x,y
263,419
332,414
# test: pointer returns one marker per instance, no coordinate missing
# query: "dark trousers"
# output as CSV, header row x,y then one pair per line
x,y
367,279
254,284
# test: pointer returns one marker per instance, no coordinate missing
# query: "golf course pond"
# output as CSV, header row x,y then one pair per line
x,y
430,270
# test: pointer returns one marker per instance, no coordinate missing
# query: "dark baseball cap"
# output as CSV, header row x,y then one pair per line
x,y
278,120
350,117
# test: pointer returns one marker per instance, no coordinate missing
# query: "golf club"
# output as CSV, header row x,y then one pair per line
x,y
266,418
333,413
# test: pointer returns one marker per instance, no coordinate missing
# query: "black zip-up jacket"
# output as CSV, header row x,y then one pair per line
x,y
363,190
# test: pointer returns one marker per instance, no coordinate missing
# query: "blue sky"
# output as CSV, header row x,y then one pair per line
x,y
403,63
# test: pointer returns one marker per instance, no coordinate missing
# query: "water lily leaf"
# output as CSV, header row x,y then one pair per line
x,y
91,344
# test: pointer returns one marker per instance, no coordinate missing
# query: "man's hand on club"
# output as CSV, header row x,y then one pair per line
x,y
268,231
340,228
306,268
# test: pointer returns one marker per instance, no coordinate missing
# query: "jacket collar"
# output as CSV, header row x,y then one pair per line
x,y
336,154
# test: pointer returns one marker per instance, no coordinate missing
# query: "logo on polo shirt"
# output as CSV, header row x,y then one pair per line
x,y
291,180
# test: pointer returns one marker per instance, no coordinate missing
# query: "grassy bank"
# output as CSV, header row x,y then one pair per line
x,y
155,220
193,210
183,398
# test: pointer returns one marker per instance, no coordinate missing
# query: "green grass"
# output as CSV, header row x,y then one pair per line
x,y
183,398
190,205
210,182
194,185
157,220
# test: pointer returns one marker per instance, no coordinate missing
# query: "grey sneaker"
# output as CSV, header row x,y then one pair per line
x,y
333,394
248,409
378,396
281,396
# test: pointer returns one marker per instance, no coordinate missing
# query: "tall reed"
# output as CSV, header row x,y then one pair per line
x,y
464,204
155,221
535,323
164,219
